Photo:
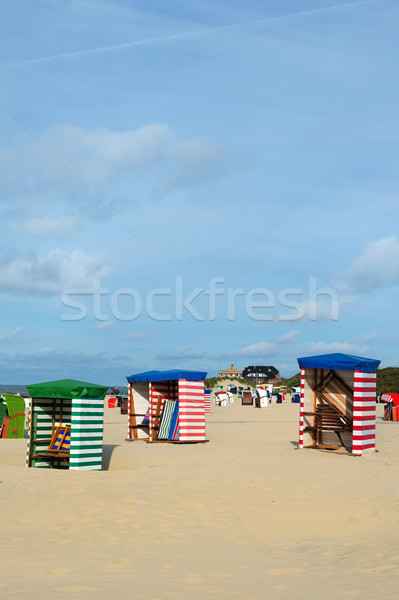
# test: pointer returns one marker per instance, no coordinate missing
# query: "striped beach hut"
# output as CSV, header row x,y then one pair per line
x,y
166,406
338,402
66,425
208,394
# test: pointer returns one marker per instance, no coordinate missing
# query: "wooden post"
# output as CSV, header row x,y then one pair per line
x,y
315,432
132,416
30,434
53,422
156,418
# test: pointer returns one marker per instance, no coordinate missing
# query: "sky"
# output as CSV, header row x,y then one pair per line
x,y
195,184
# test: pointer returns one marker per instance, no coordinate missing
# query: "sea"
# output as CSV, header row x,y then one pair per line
x,y
17,390
21,390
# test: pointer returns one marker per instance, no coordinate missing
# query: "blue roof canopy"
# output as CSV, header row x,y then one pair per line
x,y
171,375
338,361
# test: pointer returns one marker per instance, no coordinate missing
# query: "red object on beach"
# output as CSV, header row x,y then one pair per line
x,y
391,398
112,402
395,413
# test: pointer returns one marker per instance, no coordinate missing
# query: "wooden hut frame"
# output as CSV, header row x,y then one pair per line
x,y
66,425
338,402
184,389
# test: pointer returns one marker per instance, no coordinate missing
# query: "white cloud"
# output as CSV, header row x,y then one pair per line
x,y
46,227
52,273
193,161
137,335
260,349
53,363
107,154
182,353
367,337
376,268
15,335
289,337
146,160
105,326
348,347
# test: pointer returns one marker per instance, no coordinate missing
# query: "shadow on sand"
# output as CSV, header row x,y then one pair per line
x,y
107,454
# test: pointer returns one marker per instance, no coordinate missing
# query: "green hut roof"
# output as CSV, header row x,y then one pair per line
x,y
66,388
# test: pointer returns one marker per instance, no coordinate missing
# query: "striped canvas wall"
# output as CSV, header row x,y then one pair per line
x,y
191,411
207,400
87,428
364,412
165,389
41,422
129,410
301,409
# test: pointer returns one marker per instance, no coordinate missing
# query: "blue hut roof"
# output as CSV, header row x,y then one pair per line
x,y
343,362
171,375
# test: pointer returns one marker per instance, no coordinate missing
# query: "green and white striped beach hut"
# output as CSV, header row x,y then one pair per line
x,y
66,425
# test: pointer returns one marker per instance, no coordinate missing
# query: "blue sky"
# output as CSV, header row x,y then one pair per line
x,y
195,184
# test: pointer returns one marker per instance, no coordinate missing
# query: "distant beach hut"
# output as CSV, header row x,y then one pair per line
x,y
12,416
338,402
66,425
166,406
247,398
263,395
222,398
208,394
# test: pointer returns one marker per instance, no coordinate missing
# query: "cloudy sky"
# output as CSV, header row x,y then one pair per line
x,y
194,184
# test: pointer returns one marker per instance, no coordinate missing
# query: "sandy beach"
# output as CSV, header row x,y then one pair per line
x,y
246,515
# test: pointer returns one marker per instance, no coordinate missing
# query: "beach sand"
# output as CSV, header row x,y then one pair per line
x,y
247,515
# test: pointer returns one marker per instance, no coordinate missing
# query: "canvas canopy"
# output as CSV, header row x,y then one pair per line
x,y
172,375
67,388
338,361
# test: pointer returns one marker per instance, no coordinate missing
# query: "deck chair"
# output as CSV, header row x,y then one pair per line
x,y
59,447
61,440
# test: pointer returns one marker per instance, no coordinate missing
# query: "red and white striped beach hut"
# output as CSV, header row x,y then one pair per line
x,y
175,405
208,399
338,402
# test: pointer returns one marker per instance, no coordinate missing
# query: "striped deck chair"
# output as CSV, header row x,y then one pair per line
x,y
174,425
166,420
61,440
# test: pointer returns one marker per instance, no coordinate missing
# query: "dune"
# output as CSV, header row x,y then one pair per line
x,y
246,515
